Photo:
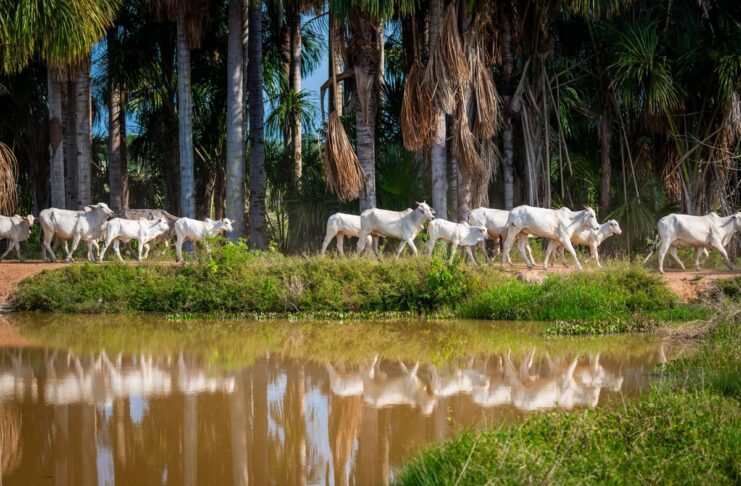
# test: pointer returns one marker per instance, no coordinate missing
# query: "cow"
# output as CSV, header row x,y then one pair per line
x,y
195,230
457,234
554,224
591,238
382,391
495,221
87,225
404,225
341,225
699,232
143,231
135,214
15,229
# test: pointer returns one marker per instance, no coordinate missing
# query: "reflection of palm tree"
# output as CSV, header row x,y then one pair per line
x,y
259,446
11,449
345,414
89,444
238,429
295,424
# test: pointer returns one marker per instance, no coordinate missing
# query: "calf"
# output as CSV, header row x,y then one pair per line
x,y
699,232
591,238
495,221
87,225
143,231
404,225
194,230
457,234
341,225
554,224
152,214
15,229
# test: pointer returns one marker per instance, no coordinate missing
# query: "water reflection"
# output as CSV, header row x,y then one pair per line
x,y
174,416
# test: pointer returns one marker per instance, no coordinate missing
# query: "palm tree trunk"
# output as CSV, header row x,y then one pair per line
x,y
56,147
116,138
335,40
83,135
257,131
295,80
235,122
185,122
367,155
507,144
605,139
438,150
70,147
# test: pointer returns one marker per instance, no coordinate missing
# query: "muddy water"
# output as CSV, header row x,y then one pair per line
x,y
100,400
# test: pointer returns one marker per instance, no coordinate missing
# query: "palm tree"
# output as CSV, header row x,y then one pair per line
x,y
234,121
257,128
83,132
117,165
437,150
62,35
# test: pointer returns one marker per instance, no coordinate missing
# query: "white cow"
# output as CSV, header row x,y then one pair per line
x,y
86,225
125,230
341,225
15,229
495,221
554,224
381,391
457,234
591,238
195,230
699,232
404,225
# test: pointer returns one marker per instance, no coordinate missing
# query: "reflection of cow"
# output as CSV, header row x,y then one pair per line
x,y
381,391
496,392
18,382
459,381
348,383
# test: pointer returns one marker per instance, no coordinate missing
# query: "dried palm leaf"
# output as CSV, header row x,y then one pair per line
x,y
465,146
489,154
417,112
485,98
8,177
342,169
447,71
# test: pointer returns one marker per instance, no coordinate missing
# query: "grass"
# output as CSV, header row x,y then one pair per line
x,y
237,281
687,430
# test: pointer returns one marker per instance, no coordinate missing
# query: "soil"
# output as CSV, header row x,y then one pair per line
x,y
11,273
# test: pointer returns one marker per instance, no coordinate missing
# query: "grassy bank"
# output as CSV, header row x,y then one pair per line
x,y
237,281
685,431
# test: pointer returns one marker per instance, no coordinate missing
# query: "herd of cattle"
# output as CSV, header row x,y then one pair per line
x,y
563,228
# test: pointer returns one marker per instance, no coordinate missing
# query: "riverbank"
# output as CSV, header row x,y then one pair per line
x,y
239,282
686,430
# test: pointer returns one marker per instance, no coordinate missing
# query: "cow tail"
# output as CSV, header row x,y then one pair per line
x,y
654,246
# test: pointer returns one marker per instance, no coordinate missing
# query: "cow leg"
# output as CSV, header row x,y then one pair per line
x,y
482,247
453,249
698,256
325,244
179,250
362,237
511,235
718,245
594,252
46,247
410,242
401,247
430,246
340,244
566,242
102,252
528,250
675,256
140,247
75,243
11,245
469,252
146,249
665,244
117,249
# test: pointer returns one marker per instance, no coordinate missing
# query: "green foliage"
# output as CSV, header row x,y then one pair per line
x,y
729,288
604,294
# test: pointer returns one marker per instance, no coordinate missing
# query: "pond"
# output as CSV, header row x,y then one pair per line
x,y
145,400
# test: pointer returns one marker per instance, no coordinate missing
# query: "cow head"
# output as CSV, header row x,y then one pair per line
x,y
30,219
737,221
102,207
426,210
226,224
590,219
481,233
614,228
162,225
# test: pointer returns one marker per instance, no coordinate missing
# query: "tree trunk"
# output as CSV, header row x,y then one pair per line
x,y
235,122
438,150
335,40
56,147
507,135
83,135
295,80
367,155
70,145
219,199
116,138
124,158
257,129
605,138
185,122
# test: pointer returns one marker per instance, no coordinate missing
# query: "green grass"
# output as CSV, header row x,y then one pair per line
x,y
687,430
238,281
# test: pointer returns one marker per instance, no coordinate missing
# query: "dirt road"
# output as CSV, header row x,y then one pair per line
x,y
11,273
